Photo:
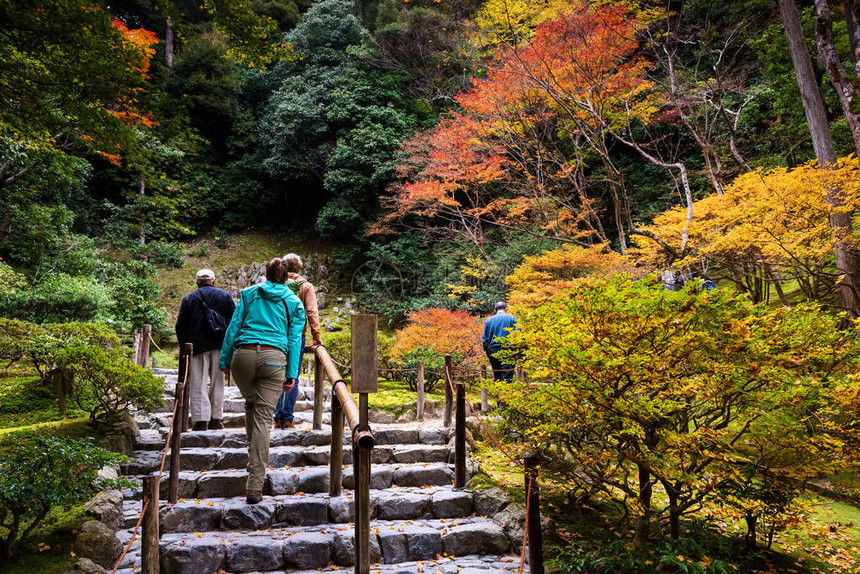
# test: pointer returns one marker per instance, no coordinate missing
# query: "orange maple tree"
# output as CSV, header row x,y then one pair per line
x,y
447,332
513,157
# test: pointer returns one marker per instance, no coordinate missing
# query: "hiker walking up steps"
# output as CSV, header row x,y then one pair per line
x,y
262,350
202,321
498,327
307,295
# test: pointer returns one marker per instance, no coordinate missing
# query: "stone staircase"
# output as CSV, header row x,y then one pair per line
x,y
419,522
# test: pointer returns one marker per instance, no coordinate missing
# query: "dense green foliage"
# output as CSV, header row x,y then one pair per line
x,y
38,474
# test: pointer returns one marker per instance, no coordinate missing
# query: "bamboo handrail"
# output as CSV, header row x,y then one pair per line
x,y
363,437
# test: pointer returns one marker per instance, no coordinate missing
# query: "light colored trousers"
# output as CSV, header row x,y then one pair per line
x,y
260,378
206,402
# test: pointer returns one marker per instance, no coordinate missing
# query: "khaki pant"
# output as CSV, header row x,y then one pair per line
x,y
260,378
206,402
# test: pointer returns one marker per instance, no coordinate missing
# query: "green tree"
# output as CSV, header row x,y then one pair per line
x,y
333,122
42,473
643,389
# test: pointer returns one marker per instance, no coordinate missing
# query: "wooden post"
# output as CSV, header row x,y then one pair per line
x,y
143,357
534,534
449,396
176,443
519,373
365,366
135,347
319,391
154,363
149,552
362,458
419,386
483,372
365,379
460,439
336,456
485,403
185,357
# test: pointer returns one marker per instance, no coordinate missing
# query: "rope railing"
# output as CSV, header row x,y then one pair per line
x,y
176,407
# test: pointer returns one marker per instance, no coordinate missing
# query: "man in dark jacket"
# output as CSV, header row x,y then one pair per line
x,y
498,327
198,323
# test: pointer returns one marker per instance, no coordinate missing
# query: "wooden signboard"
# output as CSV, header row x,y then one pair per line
x,y
365,373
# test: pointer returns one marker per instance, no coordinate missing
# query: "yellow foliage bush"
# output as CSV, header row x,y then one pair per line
x,y
777,218
540,277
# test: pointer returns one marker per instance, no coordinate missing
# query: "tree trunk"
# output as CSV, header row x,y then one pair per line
x,y
168,42
643,515
674,515
846,87
141,232
847,261
750,538
852,14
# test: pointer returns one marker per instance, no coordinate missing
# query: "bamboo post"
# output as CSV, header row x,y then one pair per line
x,y
449,398
149,553
534,534
419,386
143,357
460,439
319,381
336,457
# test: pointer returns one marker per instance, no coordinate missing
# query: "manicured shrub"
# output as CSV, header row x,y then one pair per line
x,y
17,339
60,298
41,473
108,383
10,280
434,366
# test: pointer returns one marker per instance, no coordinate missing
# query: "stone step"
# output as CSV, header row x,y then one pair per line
x,y
151,439
280,481
224,458
311,548
199,515
470,564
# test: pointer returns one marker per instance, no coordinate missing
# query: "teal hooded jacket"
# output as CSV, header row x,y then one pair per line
x,y
267,314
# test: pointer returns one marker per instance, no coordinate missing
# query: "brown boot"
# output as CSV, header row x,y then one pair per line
x,y
253,496
216,424
199,426
287,425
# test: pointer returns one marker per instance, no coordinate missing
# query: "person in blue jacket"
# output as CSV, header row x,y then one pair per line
x,y
262,350
498,327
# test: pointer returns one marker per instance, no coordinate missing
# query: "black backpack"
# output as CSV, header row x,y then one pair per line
x,y
214,320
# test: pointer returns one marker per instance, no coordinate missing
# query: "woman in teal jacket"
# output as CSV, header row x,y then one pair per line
x,y
263,349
